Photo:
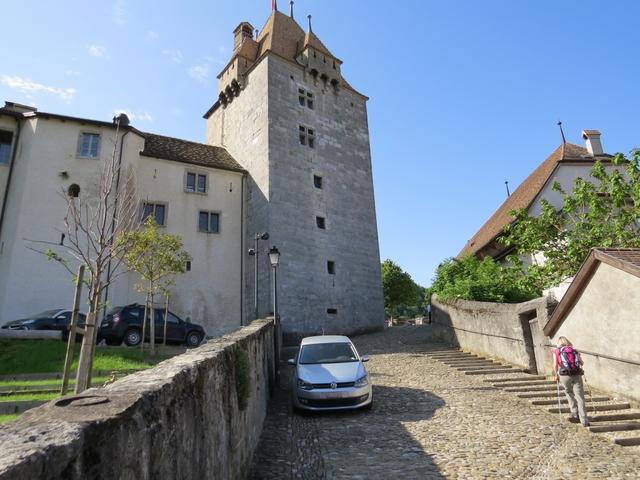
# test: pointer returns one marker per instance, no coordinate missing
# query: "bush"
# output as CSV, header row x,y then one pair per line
x,y
482,280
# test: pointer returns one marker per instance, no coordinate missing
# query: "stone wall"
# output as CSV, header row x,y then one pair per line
x,y
508,332
180,419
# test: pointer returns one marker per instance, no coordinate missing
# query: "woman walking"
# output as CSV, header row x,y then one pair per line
x,y
567,366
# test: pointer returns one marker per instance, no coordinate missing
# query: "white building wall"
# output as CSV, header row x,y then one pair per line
x,y
46,164
605,321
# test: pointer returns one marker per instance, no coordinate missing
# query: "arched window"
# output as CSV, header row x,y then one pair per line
x,y
73,190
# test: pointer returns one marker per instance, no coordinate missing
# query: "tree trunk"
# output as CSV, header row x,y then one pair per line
x,y
152,326
166,317
144,321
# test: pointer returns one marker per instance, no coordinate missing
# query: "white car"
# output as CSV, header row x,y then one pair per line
x,y
330,375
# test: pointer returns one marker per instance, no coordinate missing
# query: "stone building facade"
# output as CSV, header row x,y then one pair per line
x,y
292,121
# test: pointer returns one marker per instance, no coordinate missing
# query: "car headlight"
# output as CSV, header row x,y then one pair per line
x,y
305,385
362,381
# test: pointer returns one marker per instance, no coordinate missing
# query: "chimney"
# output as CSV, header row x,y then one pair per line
x,y
592,138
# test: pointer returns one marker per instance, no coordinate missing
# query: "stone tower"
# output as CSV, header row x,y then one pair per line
x,y
287,115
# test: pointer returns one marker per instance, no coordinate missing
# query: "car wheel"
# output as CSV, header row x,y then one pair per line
x,y
193,339
132,337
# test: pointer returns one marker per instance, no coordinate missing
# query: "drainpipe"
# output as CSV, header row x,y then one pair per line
x,y
113,220
13,161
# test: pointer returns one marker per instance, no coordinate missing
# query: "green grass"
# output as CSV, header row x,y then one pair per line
x,y
47,356
29,396
8,417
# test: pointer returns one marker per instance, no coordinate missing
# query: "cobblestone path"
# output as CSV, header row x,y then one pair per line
x,y
430,421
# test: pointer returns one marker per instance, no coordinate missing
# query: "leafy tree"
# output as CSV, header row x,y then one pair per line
x,y
157,257
399,288
603,211
483,280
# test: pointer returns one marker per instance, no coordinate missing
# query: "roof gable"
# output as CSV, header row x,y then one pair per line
x,y
524,195
625,259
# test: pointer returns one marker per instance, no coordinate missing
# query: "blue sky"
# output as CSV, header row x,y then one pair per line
x,y
464,94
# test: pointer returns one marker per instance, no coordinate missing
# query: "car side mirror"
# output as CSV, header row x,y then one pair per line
x,y
365,358
291,361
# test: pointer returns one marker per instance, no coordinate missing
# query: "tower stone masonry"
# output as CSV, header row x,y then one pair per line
x,y
287,115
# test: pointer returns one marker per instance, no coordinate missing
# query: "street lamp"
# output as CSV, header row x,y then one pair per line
x,y
274,258
253,252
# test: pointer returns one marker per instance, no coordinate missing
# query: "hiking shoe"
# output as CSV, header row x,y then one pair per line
x,y
574,419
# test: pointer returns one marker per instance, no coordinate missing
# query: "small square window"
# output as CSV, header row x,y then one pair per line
x,y
89,145
187,266
209,222
317,181
5,146
301,100
191,182
156,210
331,267
332,311
320,222
202,183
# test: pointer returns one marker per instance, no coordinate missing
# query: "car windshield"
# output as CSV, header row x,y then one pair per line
x,y
327,353
46,313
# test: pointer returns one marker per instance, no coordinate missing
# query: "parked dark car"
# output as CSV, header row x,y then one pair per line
x,y
125,324
55,319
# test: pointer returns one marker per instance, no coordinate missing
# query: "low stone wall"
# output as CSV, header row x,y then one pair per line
x,y
506,332
197,415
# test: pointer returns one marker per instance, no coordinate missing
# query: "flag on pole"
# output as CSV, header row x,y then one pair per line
x,y
274,5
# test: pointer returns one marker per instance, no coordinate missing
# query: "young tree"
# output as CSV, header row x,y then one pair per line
x,y
398,287
603,211
157,257
94,218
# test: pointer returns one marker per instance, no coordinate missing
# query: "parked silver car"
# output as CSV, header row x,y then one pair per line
x,y
330,375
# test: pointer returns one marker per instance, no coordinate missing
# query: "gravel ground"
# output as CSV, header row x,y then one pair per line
x,y
430,421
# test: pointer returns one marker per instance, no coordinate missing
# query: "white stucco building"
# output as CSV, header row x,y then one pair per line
x,y
181,183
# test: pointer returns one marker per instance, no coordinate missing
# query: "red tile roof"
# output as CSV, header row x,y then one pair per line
x,y
523,196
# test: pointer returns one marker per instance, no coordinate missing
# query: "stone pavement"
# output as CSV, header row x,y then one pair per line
x,y
430,421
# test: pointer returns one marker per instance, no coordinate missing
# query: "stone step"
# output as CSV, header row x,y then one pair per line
x,y
19,406
594,408
614,417
530,383
488,368
494,372
541,388
615,427
435,352
564,400
550,394
517,379
470,363
456,356
627,442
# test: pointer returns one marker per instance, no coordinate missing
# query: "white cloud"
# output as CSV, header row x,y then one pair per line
x,y
96,50
152,35
27,86
72,73
120,12
200,72
174,54
137,117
